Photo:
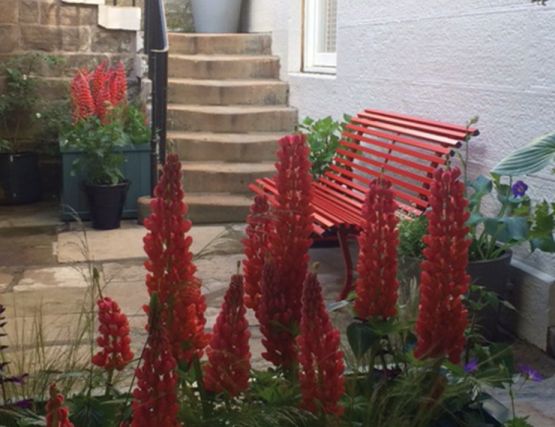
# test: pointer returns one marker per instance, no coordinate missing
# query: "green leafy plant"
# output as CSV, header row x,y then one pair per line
x,y
101,160
103,123
323,139
19,104
411,232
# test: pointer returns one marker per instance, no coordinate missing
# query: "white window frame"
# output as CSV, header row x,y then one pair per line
x,y
316,62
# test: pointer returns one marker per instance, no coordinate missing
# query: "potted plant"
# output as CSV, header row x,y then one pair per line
x,y
216,16
19,106
104,126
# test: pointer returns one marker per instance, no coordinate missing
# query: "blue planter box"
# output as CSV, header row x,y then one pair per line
x,y
136,169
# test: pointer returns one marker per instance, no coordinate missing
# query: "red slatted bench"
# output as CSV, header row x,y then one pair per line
x,y
403,149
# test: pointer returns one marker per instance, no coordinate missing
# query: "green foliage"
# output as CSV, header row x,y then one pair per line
x,y
100,161
515,222
101,144
323,137
531,158
411,232
19,104
135,125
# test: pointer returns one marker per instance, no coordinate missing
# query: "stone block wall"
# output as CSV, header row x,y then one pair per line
x,y
69,31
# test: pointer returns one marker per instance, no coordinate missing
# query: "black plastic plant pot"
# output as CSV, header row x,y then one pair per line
x,y
494,275
19,178
106,204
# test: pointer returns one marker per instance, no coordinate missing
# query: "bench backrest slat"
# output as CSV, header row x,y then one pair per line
x,y
455,135
440,125
403,149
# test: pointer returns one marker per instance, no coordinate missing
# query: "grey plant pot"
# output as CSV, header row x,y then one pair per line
x,y
216,16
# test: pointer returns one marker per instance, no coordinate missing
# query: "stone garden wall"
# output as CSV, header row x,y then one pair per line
x,y
68,30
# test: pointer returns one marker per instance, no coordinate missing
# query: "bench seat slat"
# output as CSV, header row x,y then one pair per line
x,y
319,215
348,211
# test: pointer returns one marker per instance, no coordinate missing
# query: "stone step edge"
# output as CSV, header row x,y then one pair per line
x,y
195,199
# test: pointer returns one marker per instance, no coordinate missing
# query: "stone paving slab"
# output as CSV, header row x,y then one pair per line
x,y
21,247
534,400
121,244
52,277
6,279
40,214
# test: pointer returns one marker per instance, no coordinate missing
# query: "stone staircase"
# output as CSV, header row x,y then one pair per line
x,y
227,109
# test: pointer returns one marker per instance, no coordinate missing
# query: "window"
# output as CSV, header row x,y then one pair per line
x,y
320,36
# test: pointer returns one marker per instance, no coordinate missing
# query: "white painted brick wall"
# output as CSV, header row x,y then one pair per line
x,y
443,59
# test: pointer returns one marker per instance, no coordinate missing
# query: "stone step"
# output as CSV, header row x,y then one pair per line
x,y
226,147
223,44
221,177
231,118
227,92
224,66
208,208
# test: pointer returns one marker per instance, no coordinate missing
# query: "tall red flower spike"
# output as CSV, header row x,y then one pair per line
x,y
81,97
321,374
376,286
288,245
277,319
155,395
57,415
442,317
171,272
114,337
256,247
228,364
118,84
99,78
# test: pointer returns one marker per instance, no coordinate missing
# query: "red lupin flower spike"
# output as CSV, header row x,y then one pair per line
x,y
57,415
114,337
103,103
442,317
228,353
98,78
256,248
277,319
376,286
81,97
321,362
288,249
155,395
171,272
118,84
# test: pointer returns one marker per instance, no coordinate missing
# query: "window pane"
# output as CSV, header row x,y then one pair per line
x,y
328,25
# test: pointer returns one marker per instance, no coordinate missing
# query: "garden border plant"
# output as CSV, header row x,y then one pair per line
x,y
401,370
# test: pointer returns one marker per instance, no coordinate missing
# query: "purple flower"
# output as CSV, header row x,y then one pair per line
x,y
530,373
24,404
471,366
519,188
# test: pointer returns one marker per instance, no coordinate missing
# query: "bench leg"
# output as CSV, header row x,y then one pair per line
x,y
343,244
